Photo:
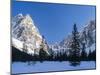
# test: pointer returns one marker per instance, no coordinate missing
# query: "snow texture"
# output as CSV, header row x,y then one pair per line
x,y
19,67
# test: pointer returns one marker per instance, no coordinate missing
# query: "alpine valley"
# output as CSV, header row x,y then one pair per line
x,y
27,38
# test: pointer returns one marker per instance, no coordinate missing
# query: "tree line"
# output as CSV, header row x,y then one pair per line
x,y
76,54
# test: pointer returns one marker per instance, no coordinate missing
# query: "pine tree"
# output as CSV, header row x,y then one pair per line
x,y
51,56
90,55
83,53
94,55
75,46
42,53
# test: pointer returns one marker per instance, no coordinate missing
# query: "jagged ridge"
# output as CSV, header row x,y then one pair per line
x,y
86,35
25,35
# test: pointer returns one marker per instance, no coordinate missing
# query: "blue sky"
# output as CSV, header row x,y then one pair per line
x,y
55,21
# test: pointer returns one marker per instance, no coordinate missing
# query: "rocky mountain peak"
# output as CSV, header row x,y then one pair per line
x,y
25,31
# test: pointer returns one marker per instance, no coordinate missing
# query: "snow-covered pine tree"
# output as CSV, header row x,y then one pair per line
x,y
75,46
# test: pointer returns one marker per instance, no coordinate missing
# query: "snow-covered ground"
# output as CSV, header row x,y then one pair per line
x,y
20,67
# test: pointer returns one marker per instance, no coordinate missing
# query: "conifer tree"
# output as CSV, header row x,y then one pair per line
x,y
83,53
75,46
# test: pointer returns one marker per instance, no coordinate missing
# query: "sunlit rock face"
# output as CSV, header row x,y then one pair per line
x,y
25,35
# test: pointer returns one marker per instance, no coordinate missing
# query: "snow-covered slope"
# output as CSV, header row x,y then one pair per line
x,y
86,35
25,35
18,44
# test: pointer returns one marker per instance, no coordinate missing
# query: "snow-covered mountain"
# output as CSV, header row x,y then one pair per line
x,y
86,35
26,36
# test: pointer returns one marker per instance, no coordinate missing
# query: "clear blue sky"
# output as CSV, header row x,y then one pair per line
x,y
55,21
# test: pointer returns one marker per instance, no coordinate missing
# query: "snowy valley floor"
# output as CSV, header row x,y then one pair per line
x,y
21,67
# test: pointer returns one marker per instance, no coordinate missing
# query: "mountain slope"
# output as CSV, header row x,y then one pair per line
x,y
86,35
25,35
